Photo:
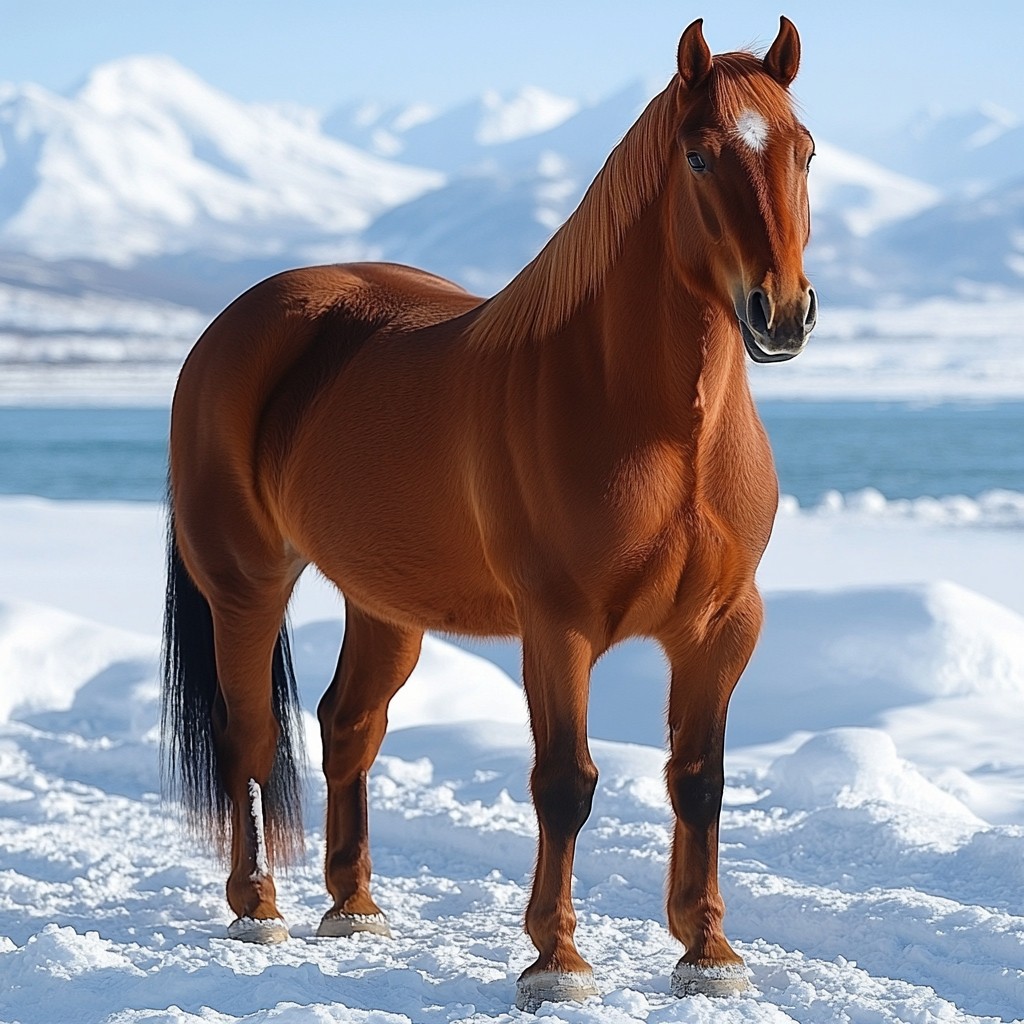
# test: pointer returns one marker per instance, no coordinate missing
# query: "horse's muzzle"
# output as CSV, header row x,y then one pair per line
x,y
771,335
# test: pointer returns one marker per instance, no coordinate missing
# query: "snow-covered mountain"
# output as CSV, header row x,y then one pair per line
x,y
968,246
147,160
452,140
968,150
147,185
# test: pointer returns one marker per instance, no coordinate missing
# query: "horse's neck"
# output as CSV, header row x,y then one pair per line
x,y
669,355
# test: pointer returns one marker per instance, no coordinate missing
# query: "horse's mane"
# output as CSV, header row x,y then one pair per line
x,y
573,264
571,267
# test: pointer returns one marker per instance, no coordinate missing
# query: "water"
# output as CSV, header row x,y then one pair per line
x,y
902,450
92,454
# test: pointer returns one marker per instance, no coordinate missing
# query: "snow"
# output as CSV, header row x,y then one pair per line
x,y
256,812
529,112
872,833
866,195
146,159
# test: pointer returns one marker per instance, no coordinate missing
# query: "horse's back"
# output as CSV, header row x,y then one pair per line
x,y
266,328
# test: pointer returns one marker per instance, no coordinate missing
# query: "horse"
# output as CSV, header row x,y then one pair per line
x,y
574,461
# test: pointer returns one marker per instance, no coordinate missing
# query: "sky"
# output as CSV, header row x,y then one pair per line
x,y
867,66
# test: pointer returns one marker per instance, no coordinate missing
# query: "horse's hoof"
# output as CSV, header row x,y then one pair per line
x,y
265,931
344,925
720,980
553,987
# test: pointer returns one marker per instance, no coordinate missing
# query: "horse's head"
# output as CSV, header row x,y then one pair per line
x,y
741,172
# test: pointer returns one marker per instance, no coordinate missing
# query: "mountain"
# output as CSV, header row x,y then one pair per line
x,y
967,151
146,196
490,220
451,140
506,197
861,195
479,230
147,160
852,199
971,247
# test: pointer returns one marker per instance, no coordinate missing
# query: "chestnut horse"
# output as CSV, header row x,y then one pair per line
x,y
574,461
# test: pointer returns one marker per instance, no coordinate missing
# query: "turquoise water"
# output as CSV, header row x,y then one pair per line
x,y
902,450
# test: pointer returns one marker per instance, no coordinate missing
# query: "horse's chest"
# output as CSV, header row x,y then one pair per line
x,y
684,539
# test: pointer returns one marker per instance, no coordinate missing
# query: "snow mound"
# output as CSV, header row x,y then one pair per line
x,y
825,659
853,767
997,507
844,658
49,657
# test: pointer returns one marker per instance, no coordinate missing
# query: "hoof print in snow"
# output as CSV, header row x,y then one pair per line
x,y
726,980
553,987
265,931
339,926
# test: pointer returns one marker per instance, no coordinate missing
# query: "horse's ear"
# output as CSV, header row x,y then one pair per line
x,y
783,59
694,56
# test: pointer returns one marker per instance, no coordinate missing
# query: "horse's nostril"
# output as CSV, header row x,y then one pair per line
x,y
758,312
811,316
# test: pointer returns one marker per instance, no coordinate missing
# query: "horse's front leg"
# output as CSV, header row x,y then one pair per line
x,y
556,676
706,666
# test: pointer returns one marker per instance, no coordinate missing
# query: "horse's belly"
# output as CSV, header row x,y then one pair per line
x,y
447,603
420,568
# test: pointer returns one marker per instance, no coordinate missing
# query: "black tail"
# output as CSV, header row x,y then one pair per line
x,y
190,696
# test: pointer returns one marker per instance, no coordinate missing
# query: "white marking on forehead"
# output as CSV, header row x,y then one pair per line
x,y
752,130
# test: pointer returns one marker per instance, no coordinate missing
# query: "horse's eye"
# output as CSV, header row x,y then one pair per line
x,y
696,161
809,159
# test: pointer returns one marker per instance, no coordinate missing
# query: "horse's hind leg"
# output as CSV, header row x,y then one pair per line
x,y
704,673
247,619
376,659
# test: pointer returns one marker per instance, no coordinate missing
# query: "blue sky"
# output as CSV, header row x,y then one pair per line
x,y
866,63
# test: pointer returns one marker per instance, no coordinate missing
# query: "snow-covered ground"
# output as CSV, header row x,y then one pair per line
x,y
873,834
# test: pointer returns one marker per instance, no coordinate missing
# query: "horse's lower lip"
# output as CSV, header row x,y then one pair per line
x,y
757,353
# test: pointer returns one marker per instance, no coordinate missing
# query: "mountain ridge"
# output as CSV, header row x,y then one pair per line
x,y
145,183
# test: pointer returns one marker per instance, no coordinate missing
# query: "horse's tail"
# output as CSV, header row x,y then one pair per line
x,y
190,694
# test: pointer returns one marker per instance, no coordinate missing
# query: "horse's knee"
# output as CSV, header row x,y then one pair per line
x,y
563,794
696,795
